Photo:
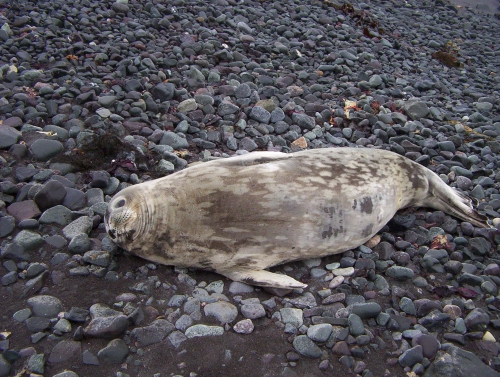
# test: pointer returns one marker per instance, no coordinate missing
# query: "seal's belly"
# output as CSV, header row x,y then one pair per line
x,y
263,222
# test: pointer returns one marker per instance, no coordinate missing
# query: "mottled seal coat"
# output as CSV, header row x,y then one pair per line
x,y
241,215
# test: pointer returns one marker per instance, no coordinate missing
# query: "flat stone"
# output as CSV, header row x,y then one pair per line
x,y
306,347
79,244
244,326
15,252
304,121
356,326
292,316
58,214
98,258
107,327
365,310
8,136
36,363
163,92
28,239
176,338
153,333
75,199
260,114
45,306
203,330
7,225
347,271
320,332
51,194
237,288
114,353
81,225
26,209
429,344
175,141
227,108
456,362
223,311
411,357
63,326
66,373
253,311
9,278
477,320
107,101
22,315
416,109
65,350
187,105
45,149
103,112
400,273
37,324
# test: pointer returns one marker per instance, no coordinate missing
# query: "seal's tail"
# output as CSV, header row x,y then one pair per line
x,y
453,202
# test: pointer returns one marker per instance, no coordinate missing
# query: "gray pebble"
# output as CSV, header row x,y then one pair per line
x,y
114,353
292,316
224,312
44,149
253,311
411,356
56,215
320,332
28,240
306,347
81,225
203,330
244,326
356,326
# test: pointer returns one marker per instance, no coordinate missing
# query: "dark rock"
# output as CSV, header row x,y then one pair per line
x,y
411,357
107,327
45,149
154,333
64,351
306,347
114,353
477,320
429,344
26,209
456,362
51,194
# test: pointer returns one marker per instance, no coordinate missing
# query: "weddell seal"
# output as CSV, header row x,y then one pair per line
x,y
240,215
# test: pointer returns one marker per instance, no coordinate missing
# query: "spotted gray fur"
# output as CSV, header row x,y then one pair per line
x,y
241,215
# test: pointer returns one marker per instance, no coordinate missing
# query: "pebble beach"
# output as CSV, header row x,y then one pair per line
x,y
96,96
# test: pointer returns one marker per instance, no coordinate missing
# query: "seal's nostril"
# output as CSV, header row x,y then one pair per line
x,y
112,234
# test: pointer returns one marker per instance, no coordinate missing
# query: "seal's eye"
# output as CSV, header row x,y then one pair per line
x,y
120,203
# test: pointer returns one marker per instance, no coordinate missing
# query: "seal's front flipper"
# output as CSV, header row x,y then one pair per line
x,y
262,278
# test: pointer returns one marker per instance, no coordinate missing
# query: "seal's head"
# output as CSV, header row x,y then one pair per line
x,y
126,217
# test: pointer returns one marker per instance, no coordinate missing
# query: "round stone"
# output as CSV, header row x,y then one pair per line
x,y
306,347
45,149
253,311
320,332
45,306
245,326
223,311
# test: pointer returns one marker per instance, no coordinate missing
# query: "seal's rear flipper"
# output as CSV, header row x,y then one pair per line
x,y
262,278
453,202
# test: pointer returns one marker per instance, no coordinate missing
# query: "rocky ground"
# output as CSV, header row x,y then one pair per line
x,y
99,95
